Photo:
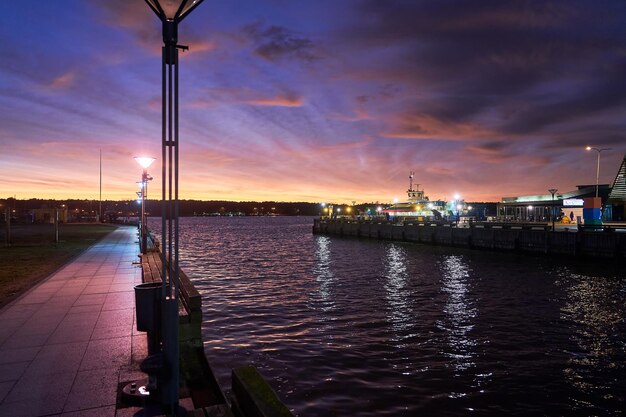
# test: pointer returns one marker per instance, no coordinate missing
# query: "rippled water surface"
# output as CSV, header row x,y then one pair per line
x,y
347,327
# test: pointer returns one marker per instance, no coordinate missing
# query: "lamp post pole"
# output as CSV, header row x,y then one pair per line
x,y
171,13
552,191
598,150
145,162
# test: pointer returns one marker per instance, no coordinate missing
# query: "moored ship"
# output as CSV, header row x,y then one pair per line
x,y
418,206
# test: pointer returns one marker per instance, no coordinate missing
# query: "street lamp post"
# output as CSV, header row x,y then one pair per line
x,y
552,191
171,13
598,150
145,162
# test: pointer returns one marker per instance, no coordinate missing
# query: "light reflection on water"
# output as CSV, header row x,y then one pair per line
x,y
366,328
323,272
396,289
460,312
595,308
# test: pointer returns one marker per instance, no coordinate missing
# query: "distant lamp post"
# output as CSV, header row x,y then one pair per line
x,y
459,207
552,191
528,212
144,162
598,150
171,13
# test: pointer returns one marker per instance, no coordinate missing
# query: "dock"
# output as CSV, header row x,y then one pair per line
x,y
528,238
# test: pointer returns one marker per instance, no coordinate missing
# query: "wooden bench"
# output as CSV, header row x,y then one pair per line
x,y
190,302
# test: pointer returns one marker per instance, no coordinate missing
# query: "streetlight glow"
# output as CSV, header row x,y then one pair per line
x,y
144,161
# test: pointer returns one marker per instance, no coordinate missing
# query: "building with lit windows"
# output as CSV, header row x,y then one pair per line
x,y
568,204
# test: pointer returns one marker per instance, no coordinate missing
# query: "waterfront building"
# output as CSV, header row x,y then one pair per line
x,y
569,204
543,207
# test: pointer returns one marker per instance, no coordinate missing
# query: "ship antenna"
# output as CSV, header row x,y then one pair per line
x,y
411,174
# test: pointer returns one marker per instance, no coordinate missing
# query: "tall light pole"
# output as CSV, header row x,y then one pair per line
x,y
552,191
171,13
598,150
145,162
100,203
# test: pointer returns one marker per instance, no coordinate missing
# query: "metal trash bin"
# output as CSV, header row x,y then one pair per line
x,y
148,306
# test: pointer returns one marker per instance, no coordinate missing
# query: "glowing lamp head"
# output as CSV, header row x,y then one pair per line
x,y
459,206
431,206
144,161
588,148
395,199
338,209
469,207
379,209
457,197
348,209
323,204
530,207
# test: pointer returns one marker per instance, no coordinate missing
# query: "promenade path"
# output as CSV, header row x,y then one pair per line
x,y
67,343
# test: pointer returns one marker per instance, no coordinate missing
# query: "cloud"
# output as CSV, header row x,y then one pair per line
x,y
277,101
217,96
62,81
426,127
276,42
515,67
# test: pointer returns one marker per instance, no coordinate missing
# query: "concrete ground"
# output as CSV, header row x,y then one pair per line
x,y
67,343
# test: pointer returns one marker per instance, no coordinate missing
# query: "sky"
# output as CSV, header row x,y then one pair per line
x,y
319,101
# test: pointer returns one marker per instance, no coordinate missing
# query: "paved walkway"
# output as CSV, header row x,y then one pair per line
x,y
67,343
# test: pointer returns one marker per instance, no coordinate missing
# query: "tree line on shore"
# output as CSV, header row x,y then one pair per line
x,y
122,208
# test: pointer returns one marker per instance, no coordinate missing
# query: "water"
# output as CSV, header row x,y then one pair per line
x,y
347,327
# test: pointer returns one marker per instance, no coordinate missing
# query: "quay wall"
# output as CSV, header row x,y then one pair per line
x,y
518,238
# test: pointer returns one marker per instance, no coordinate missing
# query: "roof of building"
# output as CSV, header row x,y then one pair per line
x,y
618,188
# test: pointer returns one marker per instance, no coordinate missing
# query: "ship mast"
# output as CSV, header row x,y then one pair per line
x,y
411,174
